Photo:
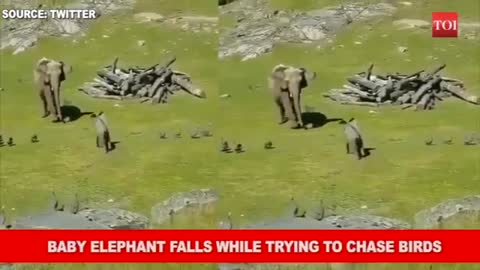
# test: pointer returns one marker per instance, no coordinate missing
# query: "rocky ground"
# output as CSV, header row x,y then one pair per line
x,y
22,34
194,24
258,28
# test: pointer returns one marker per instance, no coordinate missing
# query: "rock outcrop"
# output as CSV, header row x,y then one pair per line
x,y
331,222
194,199
447,211
56,220
115,218
20,34
334,222
257,28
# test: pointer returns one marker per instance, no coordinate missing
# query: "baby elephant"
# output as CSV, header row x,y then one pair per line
x,y
103,133
286,84
354,139
48,76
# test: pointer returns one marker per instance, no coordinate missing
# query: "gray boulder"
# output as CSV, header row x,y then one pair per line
x,y
447,211
334,222
6,267
331,222
258,29
331,266
56,220
115,218
161,212
21,34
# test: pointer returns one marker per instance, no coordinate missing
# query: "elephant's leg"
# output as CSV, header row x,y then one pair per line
x,y
58,105
348,147
287,104
106,138
98,142
358,148
43,98
297,108
359,144
278,102
49,99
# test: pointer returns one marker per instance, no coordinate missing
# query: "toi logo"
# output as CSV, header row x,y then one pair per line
x,y
445,24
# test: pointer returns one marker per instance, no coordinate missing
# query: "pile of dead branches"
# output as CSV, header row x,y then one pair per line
x,y
154,84
420,90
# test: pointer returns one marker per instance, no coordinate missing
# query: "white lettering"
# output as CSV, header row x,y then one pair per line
x,y
293,246
72,14
66,246
239,246
333,246
53,13
127,246
370,246
24,14
420,247
445,25
190,246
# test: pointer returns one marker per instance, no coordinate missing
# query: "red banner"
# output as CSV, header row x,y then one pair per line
x,y
229,246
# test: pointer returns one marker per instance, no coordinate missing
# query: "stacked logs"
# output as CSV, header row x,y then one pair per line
x,y
420,90
155,83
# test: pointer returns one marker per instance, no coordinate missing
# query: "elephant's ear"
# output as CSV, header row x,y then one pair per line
x,y
67,69
279,76
307,77
42,65
41,70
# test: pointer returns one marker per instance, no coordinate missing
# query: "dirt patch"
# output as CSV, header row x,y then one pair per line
x,y
258,28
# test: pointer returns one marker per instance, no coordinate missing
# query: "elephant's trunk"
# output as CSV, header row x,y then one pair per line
x,y
55,86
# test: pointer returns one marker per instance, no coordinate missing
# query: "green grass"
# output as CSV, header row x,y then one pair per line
x,y
309,4
168,7
399,179
468,9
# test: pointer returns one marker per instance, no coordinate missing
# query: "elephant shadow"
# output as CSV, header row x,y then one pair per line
x,y
367,151
73,112
316,119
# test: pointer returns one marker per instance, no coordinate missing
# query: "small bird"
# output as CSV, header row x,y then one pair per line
x,y
54,201
34,139
448,141
429,141
469,140
76,205
163,135
229,220
195,135
206,133
268,145
178,135
171,214
296,210
225,147
2,217
320,211
239,148
440,222
10,142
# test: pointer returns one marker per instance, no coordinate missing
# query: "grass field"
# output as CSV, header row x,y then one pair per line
x,y
401,177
